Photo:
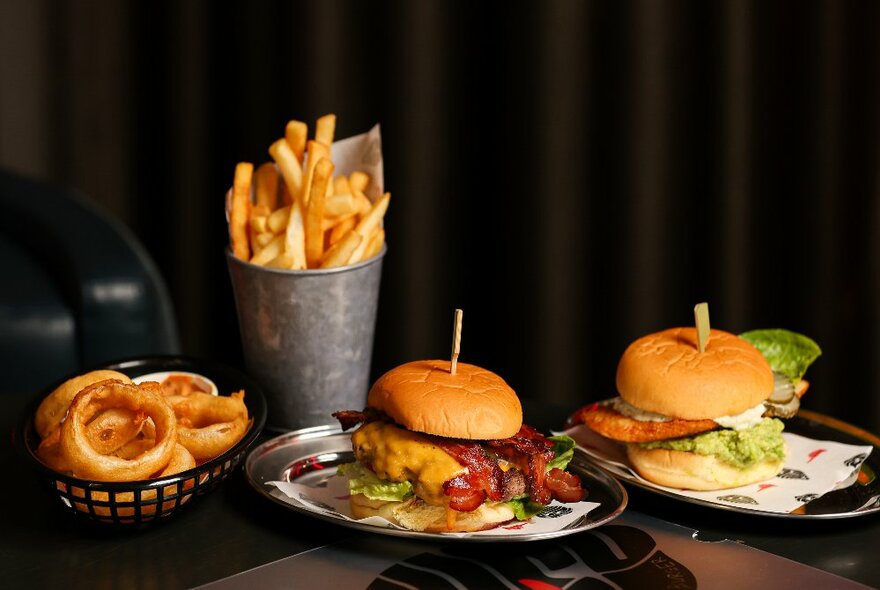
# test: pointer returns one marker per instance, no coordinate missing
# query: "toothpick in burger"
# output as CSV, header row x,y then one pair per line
x,y
705,420
444,452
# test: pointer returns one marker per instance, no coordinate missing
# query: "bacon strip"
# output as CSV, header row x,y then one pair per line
x,y
528,449
483,478
566,487
351,418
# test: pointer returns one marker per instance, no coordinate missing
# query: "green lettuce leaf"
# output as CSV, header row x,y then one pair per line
x,y
787,352
524,508
563,450
363,481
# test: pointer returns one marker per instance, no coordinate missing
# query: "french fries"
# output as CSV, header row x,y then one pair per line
x,y
292,213
241,205
314,232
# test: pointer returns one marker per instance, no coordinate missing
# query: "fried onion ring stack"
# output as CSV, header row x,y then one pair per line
x,y
102,427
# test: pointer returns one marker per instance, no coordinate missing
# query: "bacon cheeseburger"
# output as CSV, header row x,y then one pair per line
x,y
441,452
705,421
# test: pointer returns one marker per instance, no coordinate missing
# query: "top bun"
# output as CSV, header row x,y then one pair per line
x,y
425,397
667,374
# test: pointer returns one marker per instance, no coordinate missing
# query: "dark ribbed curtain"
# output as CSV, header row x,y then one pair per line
x,y
572,174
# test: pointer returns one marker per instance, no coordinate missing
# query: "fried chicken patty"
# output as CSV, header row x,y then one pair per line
x,y
610,423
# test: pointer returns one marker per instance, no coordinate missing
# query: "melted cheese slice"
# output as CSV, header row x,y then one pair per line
x,y
399,455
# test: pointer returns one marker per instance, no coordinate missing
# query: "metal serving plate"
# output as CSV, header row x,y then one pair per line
x,y
309,457
860,498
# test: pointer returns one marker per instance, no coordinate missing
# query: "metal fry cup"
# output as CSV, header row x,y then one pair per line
x,y
307,336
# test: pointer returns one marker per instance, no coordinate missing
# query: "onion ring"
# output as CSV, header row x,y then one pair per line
x,y
49,452
209,428
53,408
202,409
181,460
88,463
184,384
113,428
212,440
136,446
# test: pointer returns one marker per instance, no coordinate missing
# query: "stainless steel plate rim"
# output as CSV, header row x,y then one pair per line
x,y
261,467
797,425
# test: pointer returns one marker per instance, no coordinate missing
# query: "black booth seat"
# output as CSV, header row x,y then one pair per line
x,y
78,288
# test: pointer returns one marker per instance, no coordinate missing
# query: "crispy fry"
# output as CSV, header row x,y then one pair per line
x,y
238,217
269,251
340,229
359,181
283,260
375,243
325,128
363,202
296,133
277,220
264,238
266,186
330,222
290,167
285,198
315,214
256,226
317,150
255,245
339,254
341,186
295,237
341,205
367,225
374,217
258,218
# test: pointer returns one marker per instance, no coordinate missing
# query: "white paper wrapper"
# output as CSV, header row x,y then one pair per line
x,y
361,152
813,468
332,500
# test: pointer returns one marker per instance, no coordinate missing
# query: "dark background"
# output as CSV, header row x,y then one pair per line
x,y
572,175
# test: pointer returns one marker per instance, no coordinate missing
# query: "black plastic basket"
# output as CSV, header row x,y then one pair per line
x,y
138,502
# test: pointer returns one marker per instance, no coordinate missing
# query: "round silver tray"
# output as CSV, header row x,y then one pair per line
x,y
860,498
310,457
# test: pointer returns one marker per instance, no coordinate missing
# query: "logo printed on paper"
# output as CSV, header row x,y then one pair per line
x,y
554,512
856,461
792,474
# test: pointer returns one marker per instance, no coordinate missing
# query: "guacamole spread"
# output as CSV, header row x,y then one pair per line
x,y
740,448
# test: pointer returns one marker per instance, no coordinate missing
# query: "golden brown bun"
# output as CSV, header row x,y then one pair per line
x,y
690,471
425,397
416,515
666,373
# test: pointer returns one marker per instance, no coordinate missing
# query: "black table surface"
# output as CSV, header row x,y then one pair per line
x,y
233,529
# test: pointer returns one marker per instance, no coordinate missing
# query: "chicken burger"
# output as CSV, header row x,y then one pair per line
x,y
705,420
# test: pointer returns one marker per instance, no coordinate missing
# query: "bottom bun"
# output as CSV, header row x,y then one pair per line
x,y
690,471
416,515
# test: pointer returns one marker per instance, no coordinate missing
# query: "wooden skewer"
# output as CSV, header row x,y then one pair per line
x,y
701,318
456,340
